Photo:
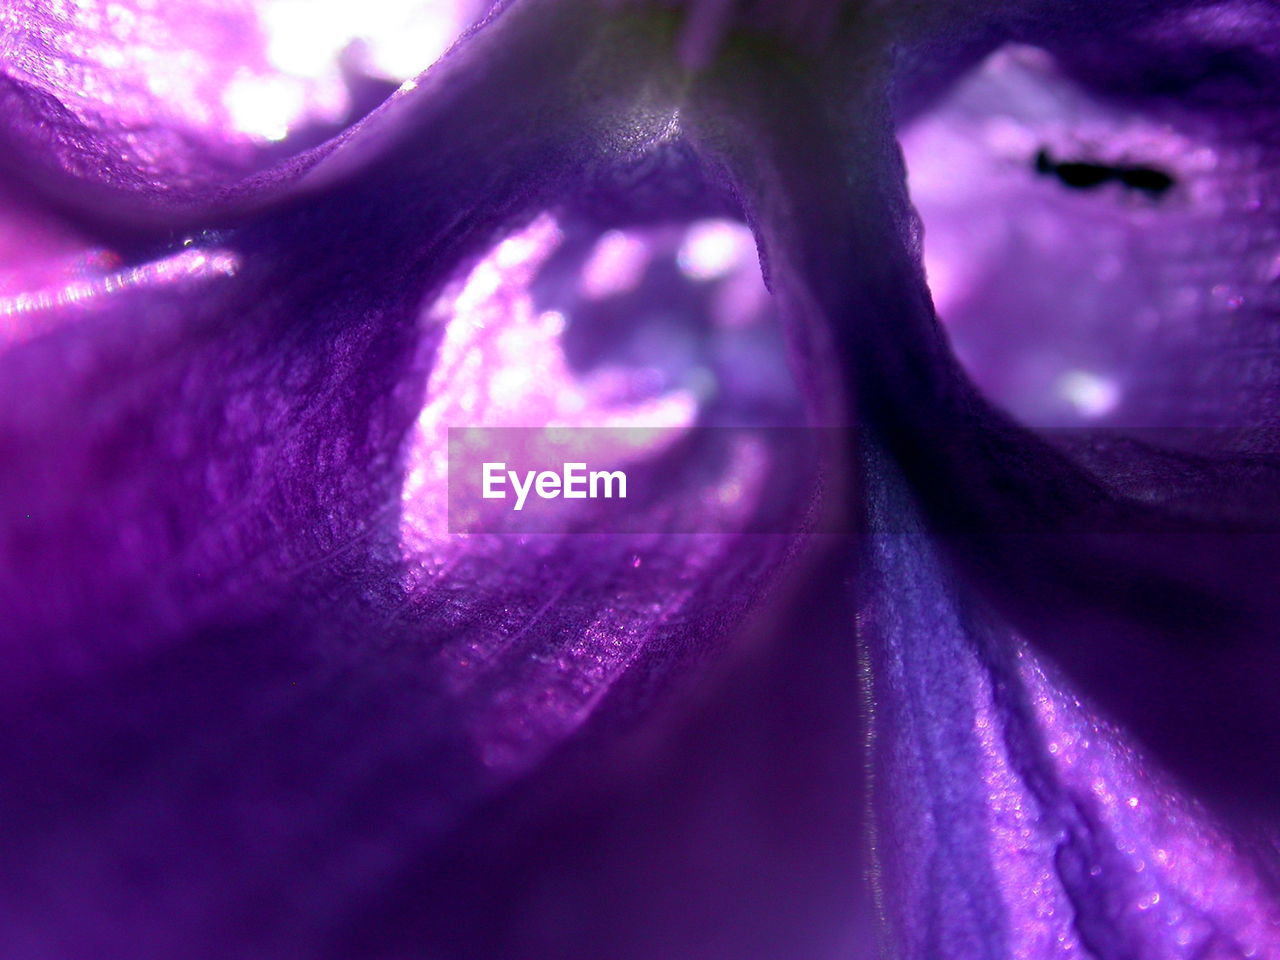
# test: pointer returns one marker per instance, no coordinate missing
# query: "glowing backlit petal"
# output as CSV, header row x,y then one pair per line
x,y
500,364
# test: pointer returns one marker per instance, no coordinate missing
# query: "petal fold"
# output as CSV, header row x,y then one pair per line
x,y
241,704
1119,560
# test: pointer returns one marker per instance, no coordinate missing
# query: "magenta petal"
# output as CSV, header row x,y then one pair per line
x,y
291,380
1106,304
728,831
136,98
232,718
1130,310
1012,820
140,114
1122,561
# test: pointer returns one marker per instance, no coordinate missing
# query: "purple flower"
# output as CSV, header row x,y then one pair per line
x,y
259,701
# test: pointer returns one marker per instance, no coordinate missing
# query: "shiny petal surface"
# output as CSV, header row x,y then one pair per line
x,y
1141,303
1012,820
258,704
1074,300
124,108
1160,553
1004,804
241,697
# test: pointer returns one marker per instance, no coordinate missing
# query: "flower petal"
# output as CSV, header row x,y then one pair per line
x,y
234,714
1100,303
129,109
1012,820
1120,561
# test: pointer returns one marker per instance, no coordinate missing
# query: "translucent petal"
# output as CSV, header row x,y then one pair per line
x,y
249,690
169,103
1012,819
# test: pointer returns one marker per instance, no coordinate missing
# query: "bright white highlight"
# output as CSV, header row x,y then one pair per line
x,y
616,265
1090,394
393,39
265,107
311,44
714,249
185,266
